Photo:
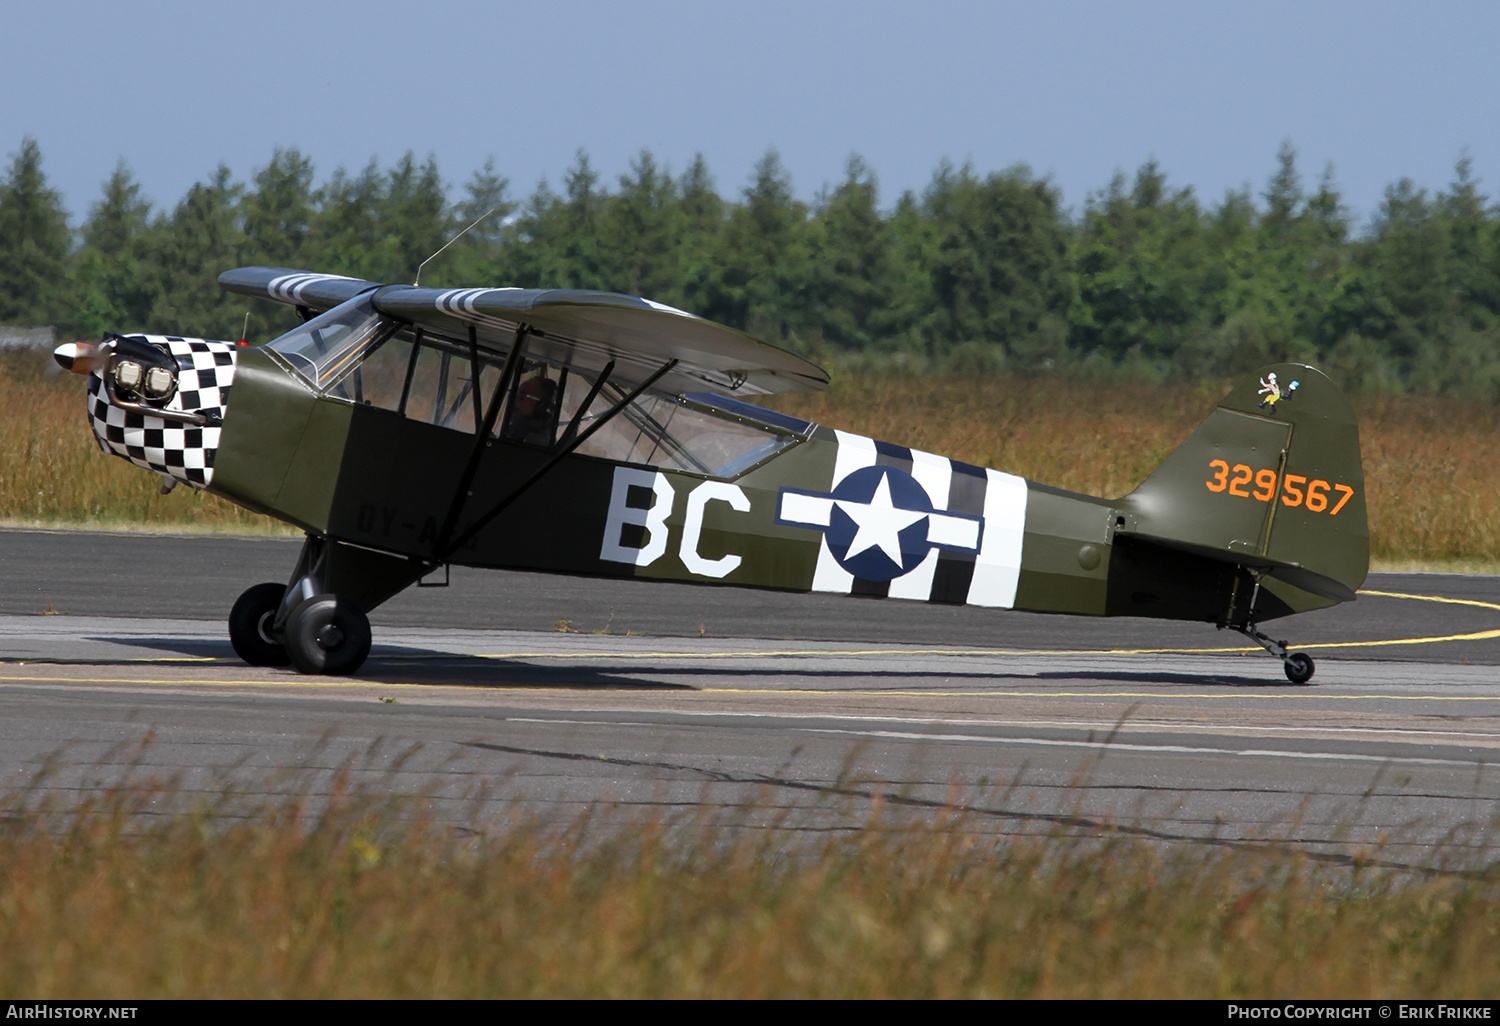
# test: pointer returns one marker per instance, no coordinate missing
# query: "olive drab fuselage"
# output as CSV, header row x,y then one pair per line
x,y
906,524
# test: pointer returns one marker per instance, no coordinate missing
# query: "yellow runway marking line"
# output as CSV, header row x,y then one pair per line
x,y
302,682
749,653
1271,691
791,652
1432,598
137,660
1473,636
1268,693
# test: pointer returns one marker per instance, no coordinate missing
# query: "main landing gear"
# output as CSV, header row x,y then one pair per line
x,y
322,634
317,623
252,626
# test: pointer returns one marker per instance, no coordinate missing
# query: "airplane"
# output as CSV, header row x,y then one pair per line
x,y
407,428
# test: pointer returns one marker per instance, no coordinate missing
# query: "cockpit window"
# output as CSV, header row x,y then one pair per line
x,y
331,342
451,384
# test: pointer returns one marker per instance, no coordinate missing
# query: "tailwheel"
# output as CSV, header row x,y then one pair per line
x,y
327,634
1299,667
251,626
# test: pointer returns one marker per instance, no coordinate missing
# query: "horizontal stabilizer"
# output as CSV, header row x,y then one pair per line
x,y
1294,574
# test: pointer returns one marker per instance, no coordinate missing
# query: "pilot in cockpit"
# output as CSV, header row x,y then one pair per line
x,y
533,415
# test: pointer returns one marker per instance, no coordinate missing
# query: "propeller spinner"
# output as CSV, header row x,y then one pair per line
x,y
78,357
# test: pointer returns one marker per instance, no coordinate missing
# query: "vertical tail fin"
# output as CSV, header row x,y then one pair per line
x,y
1272,482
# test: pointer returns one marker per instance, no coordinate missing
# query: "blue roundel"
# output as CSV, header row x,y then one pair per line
x,y
877,529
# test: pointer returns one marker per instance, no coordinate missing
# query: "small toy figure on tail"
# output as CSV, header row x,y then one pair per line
x,y
1273,393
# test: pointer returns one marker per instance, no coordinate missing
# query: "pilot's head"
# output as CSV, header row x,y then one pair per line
x,y
534,398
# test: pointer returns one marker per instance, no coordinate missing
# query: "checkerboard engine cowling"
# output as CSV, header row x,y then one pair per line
x,y
205,371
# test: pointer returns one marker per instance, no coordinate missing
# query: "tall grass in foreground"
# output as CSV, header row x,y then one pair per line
x,y
118,899
1432,470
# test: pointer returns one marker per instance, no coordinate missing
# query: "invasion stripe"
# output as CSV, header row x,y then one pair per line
x,y
988,578
855,452
935,475
997,569
898,457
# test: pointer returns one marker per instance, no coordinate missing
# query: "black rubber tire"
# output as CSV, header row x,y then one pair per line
x,y
250,626
338,657
1299,667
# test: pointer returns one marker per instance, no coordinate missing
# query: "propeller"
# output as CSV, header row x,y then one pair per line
x,y
78,357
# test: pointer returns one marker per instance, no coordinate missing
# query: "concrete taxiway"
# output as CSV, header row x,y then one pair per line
x,y
496,696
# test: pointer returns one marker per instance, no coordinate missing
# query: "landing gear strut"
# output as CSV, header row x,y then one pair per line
x,y
305,623
1298,665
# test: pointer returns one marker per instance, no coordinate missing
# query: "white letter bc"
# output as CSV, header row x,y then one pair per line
x,y
654,520
692,527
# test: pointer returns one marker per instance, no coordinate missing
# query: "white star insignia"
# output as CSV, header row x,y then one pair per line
x,y
880,523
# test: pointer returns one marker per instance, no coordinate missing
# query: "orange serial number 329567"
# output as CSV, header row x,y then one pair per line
x,y
1261,484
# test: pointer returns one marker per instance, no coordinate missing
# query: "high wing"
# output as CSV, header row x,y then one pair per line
x,y
577,328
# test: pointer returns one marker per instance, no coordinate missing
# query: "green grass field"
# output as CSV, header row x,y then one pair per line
x,y
1432,470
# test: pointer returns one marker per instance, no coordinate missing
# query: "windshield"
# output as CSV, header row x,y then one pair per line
x,y
332,342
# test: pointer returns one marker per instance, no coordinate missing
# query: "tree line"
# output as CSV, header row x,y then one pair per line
x,y
977,273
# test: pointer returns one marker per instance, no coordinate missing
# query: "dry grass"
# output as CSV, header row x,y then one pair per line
x,y
1431,466
1432,470
54,474
122,898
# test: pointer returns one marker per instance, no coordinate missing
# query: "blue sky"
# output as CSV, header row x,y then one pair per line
x,y
1076,90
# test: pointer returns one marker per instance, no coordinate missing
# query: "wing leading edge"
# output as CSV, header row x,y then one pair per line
x,y
573,327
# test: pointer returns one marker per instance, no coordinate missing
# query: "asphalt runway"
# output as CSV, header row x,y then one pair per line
x,y
549,697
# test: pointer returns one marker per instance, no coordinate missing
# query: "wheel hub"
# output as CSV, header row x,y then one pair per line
x,y
330,637
263,628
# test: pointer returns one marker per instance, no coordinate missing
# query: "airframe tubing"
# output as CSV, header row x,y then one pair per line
x,y
411,371
588,400
474,359
557,457
482,431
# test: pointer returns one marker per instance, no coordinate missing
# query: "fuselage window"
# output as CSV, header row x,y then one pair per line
x,y
443,388
380,378
660,431
428,379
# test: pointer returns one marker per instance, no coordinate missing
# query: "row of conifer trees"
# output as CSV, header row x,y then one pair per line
x,y
979,272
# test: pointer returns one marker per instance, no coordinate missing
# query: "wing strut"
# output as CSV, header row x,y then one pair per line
x,y
444,552
482,434
588,400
